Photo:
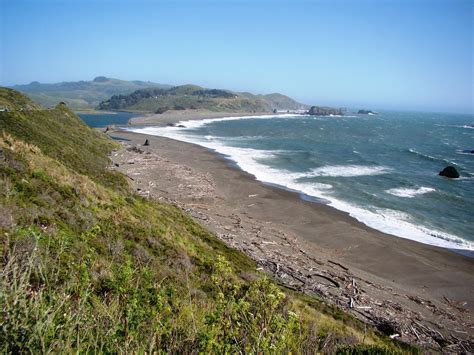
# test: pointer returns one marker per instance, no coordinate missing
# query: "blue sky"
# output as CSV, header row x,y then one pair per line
x,y
376,54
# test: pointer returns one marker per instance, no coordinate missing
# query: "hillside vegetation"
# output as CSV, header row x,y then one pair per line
x,y
82,95
196,97
88,266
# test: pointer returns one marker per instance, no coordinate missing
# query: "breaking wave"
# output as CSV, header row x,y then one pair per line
x,y
410,193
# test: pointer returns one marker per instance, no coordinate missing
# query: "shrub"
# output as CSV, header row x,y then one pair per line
x,y
161,110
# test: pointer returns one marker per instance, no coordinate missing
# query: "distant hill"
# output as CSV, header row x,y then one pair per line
x,y
196,97
82,95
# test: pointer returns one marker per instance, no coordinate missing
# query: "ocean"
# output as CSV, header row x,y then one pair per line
x,y
381,169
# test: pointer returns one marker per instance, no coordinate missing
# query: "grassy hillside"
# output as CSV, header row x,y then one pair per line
x,y
82,95
196,97
88,266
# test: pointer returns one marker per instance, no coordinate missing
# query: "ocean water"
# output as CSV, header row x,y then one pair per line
x,y
381,169
106,119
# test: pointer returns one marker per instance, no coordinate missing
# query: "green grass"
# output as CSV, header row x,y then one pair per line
x,y
13,100
87,266
196,97
62,135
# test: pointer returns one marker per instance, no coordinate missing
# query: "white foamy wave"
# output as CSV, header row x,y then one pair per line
x,y
199,123
348,171
250,160
410,193
426,156
401,225
430,157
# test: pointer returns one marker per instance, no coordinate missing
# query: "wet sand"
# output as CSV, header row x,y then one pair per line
x,y
423,293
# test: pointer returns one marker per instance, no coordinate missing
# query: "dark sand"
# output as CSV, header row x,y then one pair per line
x,y
425,293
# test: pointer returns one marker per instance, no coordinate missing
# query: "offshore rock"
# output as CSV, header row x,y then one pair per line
x,y
450,172
366,112
324,111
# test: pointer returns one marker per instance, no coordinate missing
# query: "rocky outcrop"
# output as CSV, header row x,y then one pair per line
x,y
366,112
450,172
324,111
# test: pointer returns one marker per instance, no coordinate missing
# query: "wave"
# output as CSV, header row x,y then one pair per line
x,y
425,156
193,124
465,152
432,158
467,126
401,225
410,193
244,138
252,161
348,171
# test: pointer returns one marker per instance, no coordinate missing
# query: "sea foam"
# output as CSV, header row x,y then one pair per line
x,y
410,193
348,170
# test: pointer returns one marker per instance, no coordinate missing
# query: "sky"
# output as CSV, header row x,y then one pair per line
x,y
380,54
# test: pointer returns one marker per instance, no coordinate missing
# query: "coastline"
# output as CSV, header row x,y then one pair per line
x,y
389,223
305,244
174,116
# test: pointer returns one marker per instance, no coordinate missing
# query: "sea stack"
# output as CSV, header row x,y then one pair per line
x,y
450,172
324,111
366,112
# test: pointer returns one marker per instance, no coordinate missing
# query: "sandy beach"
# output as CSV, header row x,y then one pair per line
x,y
416,292
175,116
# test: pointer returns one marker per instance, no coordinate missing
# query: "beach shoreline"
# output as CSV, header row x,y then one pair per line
x,y
172,117
308,246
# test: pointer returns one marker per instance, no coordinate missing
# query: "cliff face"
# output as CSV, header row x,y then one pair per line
x,y
325,111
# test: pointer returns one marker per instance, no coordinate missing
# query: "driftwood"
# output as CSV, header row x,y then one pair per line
x,y
414,332
309,256
334,282
298,278
341,266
